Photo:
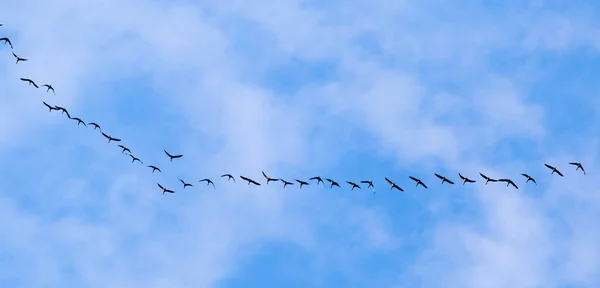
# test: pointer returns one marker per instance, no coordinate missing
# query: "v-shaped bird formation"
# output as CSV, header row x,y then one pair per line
x,y
316,180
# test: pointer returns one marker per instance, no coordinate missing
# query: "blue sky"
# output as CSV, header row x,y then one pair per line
x,y
351,90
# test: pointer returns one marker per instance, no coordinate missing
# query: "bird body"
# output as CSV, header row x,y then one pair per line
x,y
465,179
208,182
554,170
444,179
487,179
419,182
171,157
508,182
269,179
529,178
579,166
302,183
393,185
31,82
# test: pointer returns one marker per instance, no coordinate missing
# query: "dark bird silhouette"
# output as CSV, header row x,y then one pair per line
x,y
30,82
488,179
229,177
133,159
419,182
171,157
18,58
444,179
465,179
96,126
79,121
508,182
269,179
368,182
285,183
250,181
529,178
208,182
165,190
319,180
302,183
579,166
64,111
393,185
125,149
50,107
354,185
185,184
554,170
49,88
6,41
333,183
110,138
154,168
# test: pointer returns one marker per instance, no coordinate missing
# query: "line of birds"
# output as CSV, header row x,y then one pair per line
x,y
230,177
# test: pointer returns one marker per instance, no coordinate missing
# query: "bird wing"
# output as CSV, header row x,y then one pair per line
x,y
413,178
439,176
550,167
449,181
160,186
558,172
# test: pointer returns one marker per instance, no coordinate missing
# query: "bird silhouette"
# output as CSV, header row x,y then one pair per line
x,y
229,177
285,183
333,183
6,41
354,185
185,184
302,183
133,159
393,185
554,170
171,157
419,182
250,181
64,111
465,179
269,179
49,88
154,168
165,190
18,58
487,179
579,166
110,138
208,182
30,82
370,184
508,182
79,121
319,180
96,126
125,149
444,179
529,178
49,106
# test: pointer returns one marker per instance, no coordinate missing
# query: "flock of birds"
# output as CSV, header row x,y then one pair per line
x,y
318,179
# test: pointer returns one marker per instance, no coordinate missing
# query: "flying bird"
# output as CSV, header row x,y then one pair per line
x,y
208,182
164,189
508,182
64,111
444,179
333,183
354,185
393,185
465,179
154,168
110,138
269,179
49,88
319,180
96,126
133,159
49,106
171,157
18,58
302,183
79,121
529,178
229,177
368,182
554,170
488,179
250,181
30,82
419,182
579,166
7,41
285,183
125,149
185,184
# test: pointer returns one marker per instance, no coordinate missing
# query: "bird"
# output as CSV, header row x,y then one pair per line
x,y
49,88
269,179
368,182
49,106
208,182
18,58
133,159
465,179
250,181
302,183
6,41
165,190
125,149
488,179
393,185
508,182
110,138
185,184
285,183
418,182
554,170
64,111
444,179
96,126
229,177
333,183
579,166
154,168
30,82
354,185
319,180
79,121
171,157
529,178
